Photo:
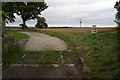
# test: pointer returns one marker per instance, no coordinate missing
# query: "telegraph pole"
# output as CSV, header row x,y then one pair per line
x,y
80,22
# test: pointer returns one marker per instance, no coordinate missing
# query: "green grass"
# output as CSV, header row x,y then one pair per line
x,y
45,57
17,35
14,55
102,55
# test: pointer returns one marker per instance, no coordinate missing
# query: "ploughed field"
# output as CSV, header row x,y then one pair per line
x,y
72,30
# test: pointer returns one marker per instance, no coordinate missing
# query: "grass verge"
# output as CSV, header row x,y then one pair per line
x,y
14,55
17,35
45,57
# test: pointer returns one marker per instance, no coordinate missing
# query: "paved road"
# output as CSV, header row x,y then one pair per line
x,y
41,42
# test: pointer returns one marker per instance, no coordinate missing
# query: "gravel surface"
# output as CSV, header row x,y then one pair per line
x,y
41,42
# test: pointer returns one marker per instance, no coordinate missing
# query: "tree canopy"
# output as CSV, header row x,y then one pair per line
x,y
27,11
8,11
117,6
41,23
117,19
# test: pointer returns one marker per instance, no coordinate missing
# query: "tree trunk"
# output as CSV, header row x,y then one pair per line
x,y
24,26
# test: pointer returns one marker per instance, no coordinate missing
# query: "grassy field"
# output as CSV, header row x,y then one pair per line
x,y
98,51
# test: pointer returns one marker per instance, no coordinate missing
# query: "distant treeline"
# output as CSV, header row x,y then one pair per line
x,y
61,27
12,27
19,27
69,27
35,27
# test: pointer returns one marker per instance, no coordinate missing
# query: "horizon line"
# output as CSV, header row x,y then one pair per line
x,y
65,26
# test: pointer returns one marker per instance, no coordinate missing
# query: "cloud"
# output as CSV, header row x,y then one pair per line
x,y
64,12
69,13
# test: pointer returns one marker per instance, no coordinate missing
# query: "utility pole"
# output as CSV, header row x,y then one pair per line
x,y
80,22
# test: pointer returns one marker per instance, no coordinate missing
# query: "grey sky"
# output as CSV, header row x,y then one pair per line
x,y
69,13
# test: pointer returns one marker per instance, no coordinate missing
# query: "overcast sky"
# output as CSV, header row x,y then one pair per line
x,y
69,12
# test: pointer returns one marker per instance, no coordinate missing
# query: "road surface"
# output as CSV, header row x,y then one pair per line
x,y
41,42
